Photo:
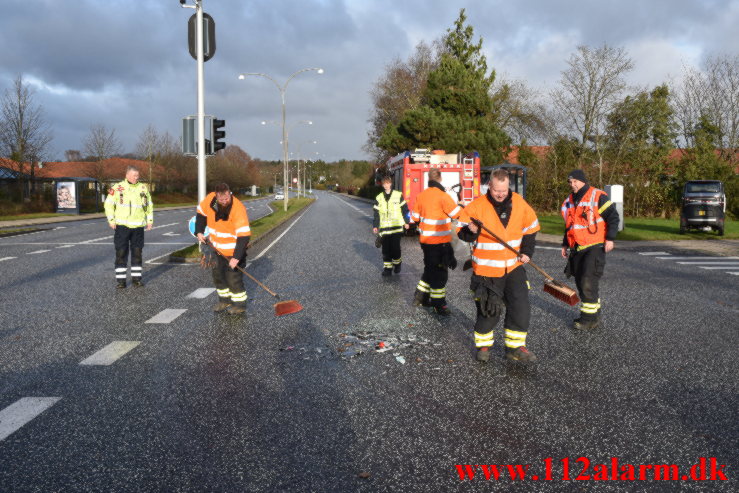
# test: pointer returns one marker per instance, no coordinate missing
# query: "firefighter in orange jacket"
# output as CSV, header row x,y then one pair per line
x,y
499,280
229,234
434,211
591,225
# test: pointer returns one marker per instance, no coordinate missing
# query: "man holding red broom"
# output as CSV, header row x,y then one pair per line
x,y
591,225
229,234
499,280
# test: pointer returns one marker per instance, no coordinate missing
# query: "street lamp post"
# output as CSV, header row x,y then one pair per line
x,y
300,155
282,90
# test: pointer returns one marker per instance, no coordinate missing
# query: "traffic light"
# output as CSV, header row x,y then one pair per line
x,y
217,134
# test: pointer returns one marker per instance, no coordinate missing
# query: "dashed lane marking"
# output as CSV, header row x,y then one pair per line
x,y
166,316
38,251
710,263
201,293
21,412
278,238
65,246
725,266
653,253
698,258
110,353
7,258
733,273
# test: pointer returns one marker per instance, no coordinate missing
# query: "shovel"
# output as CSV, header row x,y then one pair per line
x,y
281,307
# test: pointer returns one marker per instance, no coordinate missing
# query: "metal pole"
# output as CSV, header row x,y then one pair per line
x,y
284,147
201,101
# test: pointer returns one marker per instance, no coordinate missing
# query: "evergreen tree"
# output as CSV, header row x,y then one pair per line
x,y
456,111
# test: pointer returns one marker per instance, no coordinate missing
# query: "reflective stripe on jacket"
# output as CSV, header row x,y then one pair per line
x,y
391,212
434,212
223,233
584,225
489,257
129,205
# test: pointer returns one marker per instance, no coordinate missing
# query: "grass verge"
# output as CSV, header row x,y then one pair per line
x,y
647,229
260,226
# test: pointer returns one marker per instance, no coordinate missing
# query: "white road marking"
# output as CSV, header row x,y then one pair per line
x,y
653,253
38,251
94,240
110,353
355,208
727,266
709,263
164,226
547,248
699,258
7,258
171,233
733,273
65,246
201,293
278,238
166,316
21,412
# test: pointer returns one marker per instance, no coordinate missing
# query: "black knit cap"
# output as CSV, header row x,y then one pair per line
x,y
577,174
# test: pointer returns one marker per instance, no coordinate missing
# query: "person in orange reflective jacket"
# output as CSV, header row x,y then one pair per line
x,y
591,226
433,212
499,279
229,234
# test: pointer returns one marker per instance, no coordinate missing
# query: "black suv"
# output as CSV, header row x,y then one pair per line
x,y
703,205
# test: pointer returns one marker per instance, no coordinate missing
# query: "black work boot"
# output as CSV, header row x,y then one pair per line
x,y
387,272
121,284
586,324
397,268
221,305
442,310
520,354
420,298
236,310
137,282
483,354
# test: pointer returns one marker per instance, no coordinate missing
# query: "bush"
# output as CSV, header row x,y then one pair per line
x,y
732,196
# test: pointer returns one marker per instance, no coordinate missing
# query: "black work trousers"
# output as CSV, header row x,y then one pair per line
x,y
515,289
391,249
128,239
587,266
435,274
229,282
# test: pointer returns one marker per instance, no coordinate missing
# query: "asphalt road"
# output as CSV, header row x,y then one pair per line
x,y
194,401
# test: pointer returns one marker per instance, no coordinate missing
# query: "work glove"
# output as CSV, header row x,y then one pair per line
x,y
378,241
448,258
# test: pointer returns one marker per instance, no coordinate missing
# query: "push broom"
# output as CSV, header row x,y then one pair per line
x,y
551,286
281,307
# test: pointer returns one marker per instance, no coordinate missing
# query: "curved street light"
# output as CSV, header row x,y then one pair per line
x,y
282,89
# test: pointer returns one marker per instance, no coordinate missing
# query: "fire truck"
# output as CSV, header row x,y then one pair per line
x,y
460,174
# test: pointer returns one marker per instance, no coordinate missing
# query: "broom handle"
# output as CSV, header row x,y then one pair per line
x,y
509,247
207,240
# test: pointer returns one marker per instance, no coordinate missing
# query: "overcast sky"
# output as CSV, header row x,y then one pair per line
x,y
125,63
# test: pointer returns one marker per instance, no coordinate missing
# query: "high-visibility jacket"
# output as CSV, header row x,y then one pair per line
x,y
434,211
489,257
390,212
129,204
224,233
584,225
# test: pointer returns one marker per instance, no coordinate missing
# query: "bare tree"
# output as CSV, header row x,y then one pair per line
x,y
72,155
588,90
712,93
397,91
24,132
101,143
519,112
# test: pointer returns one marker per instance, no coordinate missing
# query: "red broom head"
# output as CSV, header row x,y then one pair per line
x,y
287,307
561,292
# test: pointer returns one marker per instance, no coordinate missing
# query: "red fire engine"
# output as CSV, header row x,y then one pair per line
x,y
460,173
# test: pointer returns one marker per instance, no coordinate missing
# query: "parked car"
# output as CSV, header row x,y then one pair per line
x,y
279,196
703,205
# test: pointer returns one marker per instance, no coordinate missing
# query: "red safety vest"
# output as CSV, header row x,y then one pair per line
x,y
583,222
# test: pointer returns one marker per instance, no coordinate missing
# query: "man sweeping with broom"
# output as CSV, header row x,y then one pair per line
x,y
499,280
229,235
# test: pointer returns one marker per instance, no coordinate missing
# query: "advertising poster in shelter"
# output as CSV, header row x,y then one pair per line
x,y
66,197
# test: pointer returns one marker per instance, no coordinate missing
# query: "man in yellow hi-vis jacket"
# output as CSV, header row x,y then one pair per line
x,y
129,209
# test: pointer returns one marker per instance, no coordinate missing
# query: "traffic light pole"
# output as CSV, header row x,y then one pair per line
x,y
201,95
